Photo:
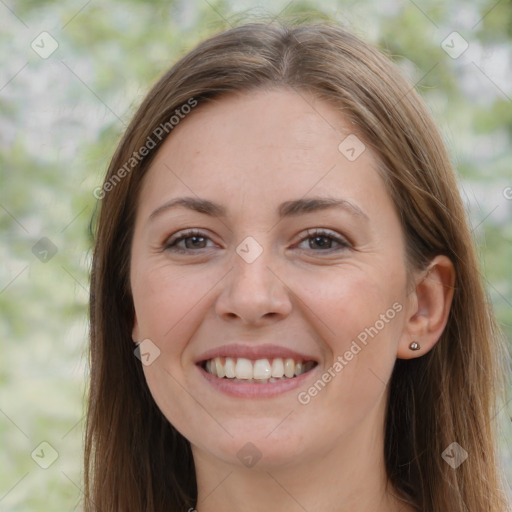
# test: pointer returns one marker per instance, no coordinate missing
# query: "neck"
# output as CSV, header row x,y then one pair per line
x,y
349,477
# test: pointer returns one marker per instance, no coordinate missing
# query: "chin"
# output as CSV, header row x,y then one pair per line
x,y
258,446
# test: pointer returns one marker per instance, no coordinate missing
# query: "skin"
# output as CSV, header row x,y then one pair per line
x,y
250,152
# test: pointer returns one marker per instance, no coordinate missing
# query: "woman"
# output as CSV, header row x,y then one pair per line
x,y
282,246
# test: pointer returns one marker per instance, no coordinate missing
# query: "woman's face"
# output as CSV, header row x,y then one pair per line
x,y
271,282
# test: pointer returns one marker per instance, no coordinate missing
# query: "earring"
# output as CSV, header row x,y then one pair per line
x,y
414,345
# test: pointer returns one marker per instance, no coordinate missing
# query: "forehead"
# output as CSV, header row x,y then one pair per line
x,y
266,146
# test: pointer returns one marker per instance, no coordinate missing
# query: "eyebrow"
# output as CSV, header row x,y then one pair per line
x,y
286,209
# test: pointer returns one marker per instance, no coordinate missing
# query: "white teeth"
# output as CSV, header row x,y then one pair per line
x,y
262,370
229,367
243,368
220,367
289,368
277,368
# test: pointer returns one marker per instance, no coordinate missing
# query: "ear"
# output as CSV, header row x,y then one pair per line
x,y
428,308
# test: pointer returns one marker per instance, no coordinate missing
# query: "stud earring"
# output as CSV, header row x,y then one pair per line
x,y
414,345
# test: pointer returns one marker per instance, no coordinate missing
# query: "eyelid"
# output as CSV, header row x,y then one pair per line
x,y
342,240
184,234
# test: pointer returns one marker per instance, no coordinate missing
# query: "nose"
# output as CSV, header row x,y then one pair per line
x,y
254,293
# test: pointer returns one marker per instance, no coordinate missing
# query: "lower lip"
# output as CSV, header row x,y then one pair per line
x,y
255,390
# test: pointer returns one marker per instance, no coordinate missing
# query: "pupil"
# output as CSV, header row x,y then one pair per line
x,y
195,239
320,238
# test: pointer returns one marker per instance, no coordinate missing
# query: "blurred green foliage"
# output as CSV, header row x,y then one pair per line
x,y
62,116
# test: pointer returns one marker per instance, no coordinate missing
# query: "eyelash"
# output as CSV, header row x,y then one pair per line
x,y
170,244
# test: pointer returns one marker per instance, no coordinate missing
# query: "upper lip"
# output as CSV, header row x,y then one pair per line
x,y
265,351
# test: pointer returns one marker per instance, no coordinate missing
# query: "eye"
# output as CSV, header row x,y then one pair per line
x,y
191,239
324,240
319,241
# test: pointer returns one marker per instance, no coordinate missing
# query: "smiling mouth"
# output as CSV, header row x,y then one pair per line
x,y
243,370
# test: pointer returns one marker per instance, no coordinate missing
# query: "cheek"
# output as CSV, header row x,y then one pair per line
x,y
169,304
167,301
349,301
360,318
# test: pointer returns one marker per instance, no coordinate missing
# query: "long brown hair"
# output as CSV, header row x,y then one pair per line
x,y
134,459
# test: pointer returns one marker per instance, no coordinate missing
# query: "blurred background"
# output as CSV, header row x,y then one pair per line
x,y
72,74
